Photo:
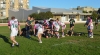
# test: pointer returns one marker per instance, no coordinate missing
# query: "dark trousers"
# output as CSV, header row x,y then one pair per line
x,y
27,31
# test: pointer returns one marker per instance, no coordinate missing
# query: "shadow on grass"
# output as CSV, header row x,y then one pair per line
x,y
97,34
30,38
5,39
33,39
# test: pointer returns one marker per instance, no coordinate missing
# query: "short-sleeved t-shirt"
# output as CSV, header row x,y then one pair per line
x,y
72,21
28,22
56,24
13,24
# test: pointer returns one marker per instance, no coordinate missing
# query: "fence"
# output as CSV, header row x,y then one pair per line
x,y
6,21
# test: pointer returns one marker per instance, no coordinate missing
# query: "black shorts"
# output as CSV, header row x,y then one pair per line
x,y
71,25
36,30
96,23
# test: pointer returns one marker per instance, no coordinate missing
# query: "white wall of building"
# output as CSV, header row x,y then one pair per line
x,y
22,14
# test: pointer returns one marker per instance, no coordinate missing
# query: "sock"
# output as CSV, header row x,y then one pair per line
x,y
17,43
91,33
88,33
57,35
62,33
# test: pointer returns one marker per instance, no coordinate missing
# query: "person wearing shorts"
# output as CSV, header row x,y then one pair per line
x,y
90,28
63,26
56,27
36,28
32,25
72,21
14,26
40,32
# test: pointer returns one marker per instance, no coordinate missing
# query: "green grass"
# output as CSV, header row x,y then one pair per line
x,y
72,45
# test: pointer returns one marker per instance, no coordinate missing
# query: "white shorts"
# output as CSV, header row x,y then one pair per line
x,y
57,28
91,27
13,33
40,31
63,27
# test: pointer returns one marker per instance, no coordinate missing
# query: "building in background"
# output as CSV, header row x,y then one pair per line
x,y
5,5
86,9
63,14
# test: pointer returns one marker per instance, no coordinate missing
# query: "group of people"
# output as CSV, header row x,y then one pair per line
x,y
47,28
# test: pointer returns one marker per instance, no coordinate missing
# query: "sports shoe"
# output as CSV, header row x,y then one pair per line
x,y
12,45
63,36
40,41
17,45
91,37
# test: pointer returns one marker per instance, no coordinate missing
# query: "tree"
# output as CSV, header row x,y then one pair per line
x,y
35,15
99,11
85,12
49,15
94,15
90,11
42,15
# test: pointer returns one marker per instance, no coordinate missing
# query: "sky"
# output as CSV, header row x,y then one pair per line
x,y
67,4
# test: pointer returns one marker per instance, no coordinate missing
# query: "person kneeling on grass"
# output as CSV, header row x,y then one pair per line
x,y
73,33
48,33
69,33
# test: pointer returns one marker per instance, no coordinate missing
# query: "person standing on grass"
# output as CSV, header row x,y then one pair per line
x,y
14,26
36,28
56,27
40,32
72,21
96,22
27,27
63,26
90,27
32,25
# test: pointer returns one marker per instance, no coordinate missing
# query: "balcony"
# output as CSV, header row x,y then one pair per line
x,y
2,8
2,2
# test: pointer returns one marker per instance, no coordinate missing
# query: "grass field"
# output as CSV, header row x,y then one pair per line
x,y
70,45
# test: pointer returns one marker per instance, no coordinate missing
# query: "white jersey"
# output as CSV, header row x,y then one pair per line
x,y
40,28
91,23
36,26
47,22
62,23
13,24
56,24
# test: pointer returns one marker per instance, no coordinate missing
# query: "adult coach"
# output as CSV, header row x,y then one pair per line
x,y
27,27
14,26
